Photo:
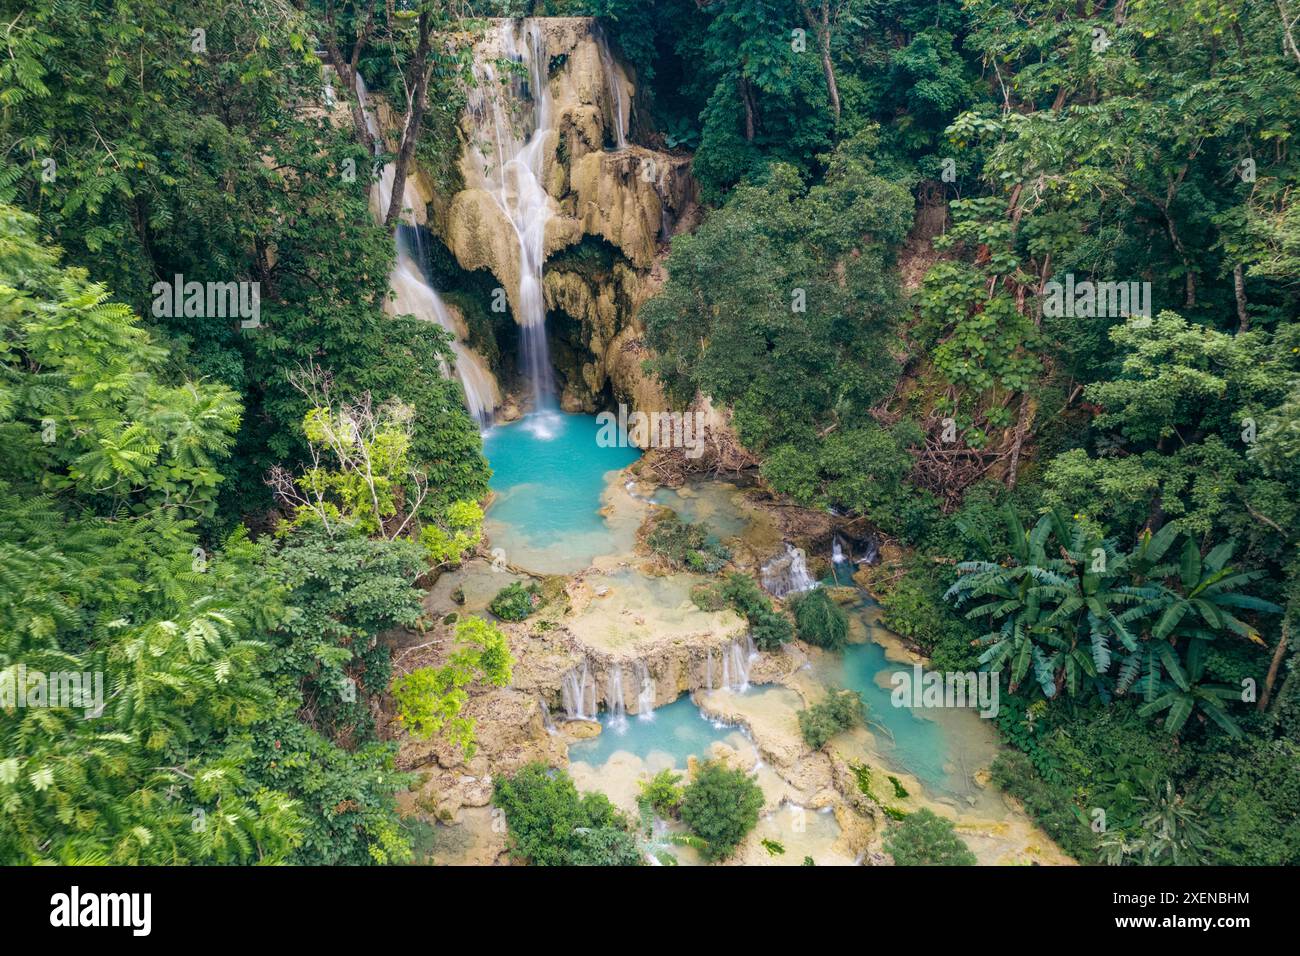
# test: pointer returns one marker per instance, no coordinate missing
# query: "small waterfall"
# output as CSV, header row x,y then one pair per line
x,y
736,660
645,701
547,722
413,294
614,699
573,692
617,95
511,164
841,565
708,669
787,573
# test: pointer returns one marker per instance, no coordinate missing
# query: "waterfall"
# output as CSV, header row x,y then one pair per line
x,y
645,701
617,95
708,669
840,561
736,660
413,294
512,162
614,698
787,573
573,691
547,722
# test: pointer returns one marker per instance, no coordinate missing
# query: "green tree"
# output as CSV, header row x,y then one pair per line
x,y
721,806
821,622
551,825
430,700
924,839
823,720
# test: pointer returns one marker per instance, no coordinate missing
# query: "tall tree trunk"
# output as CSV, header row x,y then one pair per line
x,y
821,28
347,69
1239,288
1274,666
414,117
748,100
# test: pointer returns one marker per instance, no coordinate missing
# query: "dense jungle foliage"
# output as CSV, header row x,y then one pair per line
x,y
1105,507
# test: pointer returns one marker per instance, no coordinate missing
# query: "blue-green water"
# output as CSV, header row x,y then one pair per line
x,y
940,747
706,503
676,729
548,473
840,575
911,743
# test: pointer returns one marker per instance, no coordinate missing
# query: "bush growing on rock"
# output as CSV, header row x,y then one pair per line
x,y
769,628
515,601
821,622
924,839
685,545
721,806
663,793
430,699
823,720
550,824
707,598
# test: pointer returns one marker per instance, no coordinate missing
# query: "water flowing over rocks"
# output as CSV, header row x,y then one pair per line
x,y
546,166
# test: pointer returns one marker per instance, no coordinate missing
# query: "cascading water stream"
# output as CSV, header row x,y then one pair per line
x,y
787,573
512,163
617,95
737,657
614,699
645,701
573,692
412,292
413,295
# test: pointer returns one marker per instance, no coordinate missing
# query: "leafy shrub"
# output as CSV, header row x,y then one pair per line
x,y
769,628
685,545
515,601
914,609
663,793
821,622
550,824
707,598
924,839
1051,806
430,699
720,806
823,720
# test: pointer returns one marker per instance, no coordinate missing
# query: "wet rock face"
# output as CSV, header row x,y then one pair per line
x,y
626,197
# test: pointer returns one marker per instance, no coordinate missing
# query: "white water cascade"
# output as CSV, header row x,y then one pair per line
x,y
645,700
513,127
547,722
787,573
614,699
412,293
617,95
837,551
737,657
573,692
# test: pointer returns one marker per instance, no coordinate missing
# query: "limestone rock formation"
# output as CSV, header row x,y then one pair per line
x,y
608,207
